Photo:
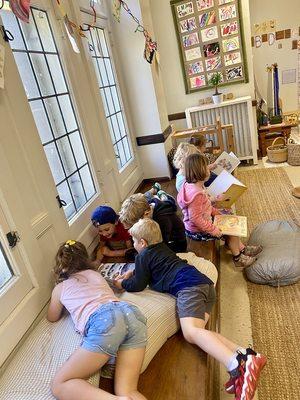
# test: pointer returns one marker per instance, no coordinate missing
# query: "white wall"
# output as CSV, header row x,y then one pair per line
x,y
287,16
173,80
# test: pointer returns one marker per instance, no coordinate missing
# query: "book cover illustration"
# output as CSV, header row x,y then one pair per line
x,y
111,271
229,187
226,161
234,225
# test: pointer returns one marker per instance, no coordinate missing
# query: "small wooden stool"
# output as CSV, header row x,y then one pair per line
x,y
273,131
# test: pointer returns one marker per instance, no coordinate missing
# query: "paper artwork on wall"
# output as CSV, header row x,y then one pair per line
x,y
209,34
227,12
210,40
204,4
231,44
211,49
257,41
231,28
195,68
188,25
207,18
271,38
198,81
289,76
190,40
234,73
185,9
192,54
213,63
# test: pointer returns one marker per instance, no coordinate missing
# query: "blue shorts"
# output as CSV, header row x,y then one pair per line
x,y
115,326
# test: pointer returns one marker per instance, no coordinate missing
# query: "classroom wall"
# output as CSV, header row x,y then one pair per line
x,y
176,98
287,16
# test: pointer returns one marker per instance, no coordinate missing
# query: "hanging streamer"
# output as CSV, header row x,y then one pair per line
x,y
150,45
89,27
21,9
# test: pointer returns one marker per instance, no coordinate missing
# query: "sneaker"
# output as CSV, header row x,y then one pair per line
x,y
242,358
163,196
156,186
252,251
243,261
253,368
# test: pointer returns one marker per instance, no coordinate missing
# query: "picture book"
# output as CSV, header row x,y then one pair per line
x,y
234,225
228,186
111,271
226,161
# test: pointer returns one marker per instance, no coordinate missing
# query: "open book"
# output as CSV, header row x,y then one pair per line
x,y
226,161
110,271
234,225
229,186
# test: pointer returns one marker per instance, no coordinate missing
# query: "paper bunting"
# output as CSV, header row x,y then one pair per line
x,y
21,9
116,9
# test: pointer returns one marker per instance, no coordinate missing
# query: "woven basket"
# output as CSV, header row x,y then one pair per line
x,y
278,153
293,152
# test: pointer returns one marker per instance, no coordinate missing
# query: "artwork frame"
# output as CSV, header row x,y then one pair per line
x,y
210,39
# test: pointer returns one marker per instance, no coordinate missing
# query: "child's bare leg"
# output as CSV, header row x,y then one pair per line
x,y
235,245
232,346
69,382
194,332
128,368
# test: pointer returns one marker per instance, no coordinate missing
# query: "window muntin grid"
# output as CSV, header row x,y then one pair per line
x,y
6,272
110,94
47,91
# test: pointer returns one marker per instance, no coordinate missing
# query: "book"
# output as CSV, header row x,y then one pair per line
x,y
234,225
227,162
227,185
111,271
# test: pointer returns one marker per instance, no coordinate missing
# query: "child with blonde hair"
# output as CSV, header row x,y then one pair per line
x,y
158,266
196,146
198,212
163,212
109,328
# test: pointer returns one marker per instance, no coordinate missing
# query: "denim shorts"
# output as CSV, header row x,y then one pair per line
x,y
115,326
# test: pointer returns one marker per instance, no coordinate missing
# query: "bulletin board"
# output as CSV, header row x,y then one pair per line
x,y
210,39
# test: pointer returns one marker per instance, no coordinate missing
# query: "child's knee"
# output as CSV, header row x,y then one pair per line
x,y
55,387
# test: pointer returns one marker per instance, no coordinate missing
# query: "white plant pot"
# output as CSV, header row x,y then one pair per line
x,y
217,98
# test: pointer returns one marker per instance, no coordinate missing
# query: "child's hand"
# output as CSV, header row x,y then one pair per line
x,y
220,197
126,275
212,166
118,283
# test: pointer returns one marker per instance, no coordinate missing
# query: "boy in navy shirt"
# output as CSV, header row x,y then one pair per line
x,y
158,266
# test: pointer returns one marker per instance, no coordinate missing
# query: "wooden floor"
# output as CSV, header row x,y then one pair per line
x,y
179,370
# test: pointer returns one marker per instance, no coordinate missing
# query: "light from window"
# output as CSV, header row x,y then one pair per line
x,y
110,96
5,269
48,94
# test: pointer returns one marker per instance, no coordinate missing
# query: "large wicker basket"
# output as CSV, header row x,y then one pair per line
x,y
278,153
293,152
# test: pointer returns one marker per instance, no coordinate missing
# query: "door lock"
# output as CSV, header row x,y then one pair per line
x,y
13,238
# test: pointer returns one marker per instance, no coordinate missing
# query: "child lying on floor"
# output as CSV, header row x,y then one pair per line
x,y
158,266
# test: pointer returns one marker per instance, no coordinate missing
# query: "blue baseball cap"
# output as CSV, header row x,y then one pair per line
x,y
104,215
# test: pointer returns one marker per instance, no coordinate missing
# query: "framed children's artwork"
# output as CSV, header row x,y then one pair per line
x,y
210,39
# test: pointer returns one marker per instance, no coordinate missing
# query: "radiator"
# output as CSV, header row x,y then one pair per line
x,y
237,112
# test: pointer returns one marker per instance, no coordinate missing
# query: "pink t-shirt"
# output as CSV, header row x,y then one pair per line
x,y
83,293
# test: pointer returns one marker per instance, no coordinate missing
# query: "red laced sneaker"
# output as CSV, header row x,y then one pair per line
x,y
253,368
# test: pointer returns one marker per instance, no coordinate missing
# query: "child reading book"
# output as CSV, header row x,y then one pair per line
x,y
198,212
109,327
158,266
182,152
115,240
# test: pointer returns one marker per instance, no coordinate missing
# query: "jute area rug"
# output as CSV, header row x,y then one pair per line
x,y
275,312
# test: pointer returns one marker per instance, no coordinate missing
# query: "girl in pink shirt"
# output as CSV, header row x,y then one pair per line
x,y
198,212
109,328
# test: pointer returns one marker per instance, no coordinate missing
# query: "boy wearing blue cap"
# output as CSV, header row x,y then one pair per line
x,y
115,240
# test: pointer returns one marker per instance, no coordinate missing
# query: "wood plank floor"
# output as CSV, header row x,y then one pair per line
x,y
179,370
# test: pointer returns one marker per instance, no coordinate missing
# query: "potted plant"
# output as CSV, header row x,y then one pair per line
x,y
215,81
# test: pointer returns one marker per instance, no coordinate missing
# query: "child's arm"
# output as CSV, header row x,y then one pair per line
x,y
138,281
106,251
55,307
